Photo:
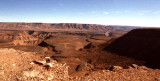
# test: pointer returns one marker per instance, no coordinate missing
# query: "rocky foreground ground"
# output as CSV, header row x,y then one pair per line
x,y
18,65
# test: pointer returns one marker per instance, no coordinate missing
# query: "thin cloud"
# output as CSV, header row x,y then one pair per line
x,y
93,12
80,13
143,12
156,12
4,19
140,13
117,12
106,13
126,11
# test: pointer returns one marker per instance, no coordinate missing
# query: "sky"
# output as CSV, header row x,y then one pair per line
x,y
105,12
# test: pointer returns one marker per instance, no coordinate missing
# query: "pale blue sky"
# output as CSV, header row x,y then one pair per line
x,y
106,12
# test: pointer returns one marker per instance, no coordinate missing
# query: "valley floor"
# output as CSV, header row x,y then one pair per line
x,y
67,56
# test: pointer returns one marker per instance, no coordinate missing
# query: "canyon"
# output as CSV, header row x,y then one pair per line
x,y
68,51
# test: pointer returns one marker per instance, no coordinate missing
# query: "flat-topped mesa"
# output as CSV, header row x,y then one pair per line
x,y
89,27
58,26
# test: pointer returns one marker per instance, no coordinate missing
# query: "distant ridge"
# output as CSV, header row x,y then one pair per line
x,y
62,27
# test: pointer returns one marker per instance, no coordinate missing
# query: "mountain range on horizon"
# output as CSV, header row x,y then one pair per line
x,y
64,27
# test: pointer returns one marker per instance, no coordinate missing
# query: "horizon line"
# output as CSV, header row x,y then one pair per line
x,y
82,23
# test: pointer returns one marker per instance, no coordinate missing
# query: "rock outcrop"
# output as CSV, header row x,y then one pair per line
x,y
23,37
20,65
28,66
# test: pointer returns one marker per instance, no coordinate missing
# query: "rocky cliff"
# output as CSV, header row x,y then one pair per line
x,y
62,27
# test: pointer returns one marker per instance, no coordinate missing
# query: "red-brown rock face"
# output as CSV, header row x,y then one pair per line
x,y
63,27
45,26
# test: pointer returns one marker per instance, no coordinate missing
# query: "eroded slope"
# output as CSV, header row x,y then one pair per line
x,y
140,44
